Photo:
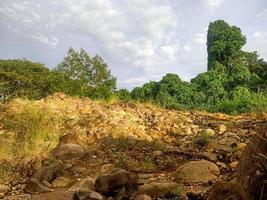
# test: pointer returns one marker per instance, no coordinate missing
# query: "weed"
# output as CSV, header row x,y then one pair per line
x,y
203,138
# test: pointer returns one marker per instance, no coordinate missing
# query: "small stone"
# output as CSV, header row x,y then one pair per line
x,y
209,156
4,189
221,129
2,195
156,153
221,164
142,197
241,146
234,165
61,182
46,183
210,132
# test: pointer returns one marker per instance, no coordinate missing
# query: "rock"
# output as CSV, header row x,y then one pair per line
x,y
95,196
209,156
2,195
34,187
47,184
234,165
112,184
69,152
241,146
196,172
156,153
158,190
210,132
221,129
142,197
86,185
19,197
60,182
48,173
109,169
87,196
4,189
221,164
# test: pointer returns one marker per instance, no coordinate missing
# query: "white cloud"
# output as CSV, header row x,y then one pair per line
x,y
200,38
262,14
50,40
213,3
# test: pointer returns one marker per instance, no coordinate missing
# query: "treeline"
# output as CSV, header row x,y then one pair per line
x,y
236,80
77,75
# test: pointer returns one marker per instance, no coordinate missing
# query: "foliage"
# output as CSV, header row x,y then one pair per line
x,y
235,82
91,74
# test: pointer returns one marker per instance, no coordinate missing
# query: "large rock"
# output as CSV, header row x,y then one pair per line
x,y
87,196
48,173
112,184
84,186
34,186
158,190
69,152
196,172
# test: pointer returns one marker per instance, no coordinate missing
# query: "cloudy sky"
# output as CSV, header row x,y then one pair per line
x,y
141,40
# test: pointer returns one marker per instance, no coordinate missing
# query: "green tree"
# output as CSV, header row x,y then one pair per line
x,y
224,43
91,74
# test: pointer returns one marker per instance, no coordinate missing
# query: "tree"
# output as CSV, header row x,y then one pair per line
x,y
92,74
224,43
124,95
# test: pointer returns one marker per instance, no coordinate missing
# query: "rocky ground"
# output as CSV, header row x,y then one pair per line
x,y
128,150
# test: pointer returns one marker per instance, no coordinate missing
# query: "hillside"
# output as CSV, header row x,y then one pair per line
x,y
60,145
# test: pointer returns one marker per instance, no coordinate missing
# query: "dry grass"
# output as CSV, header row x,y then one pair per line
x,y
32,131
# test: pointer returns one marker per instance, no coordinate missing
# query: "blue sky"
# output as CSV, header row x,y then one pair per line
x,y
140,40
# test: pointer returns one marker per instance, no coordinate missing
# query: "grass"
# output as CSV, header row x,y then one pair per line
x,y
31,131
203,138
5,171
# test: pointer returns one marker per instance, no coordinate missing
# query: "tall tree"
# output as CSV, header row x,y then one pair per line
x,y
224,43
92,74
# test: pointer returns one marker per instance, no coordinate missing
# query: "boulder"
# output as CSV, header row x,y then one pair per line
x,y
69,152
48,173
112,184
84,186
159,190
34,186
196,172
87,196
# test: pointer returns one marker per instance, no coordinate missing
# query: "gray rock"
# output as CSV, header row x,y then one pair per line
x,y
111,185
48,173
158,190
86,185
34,186
69,152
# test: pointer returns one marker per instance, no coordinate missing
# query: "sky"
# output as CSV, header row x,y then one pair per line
x,y
140,40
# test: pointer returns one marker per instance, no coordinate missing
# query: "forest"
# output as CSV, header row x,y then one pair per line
x,y
235,81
